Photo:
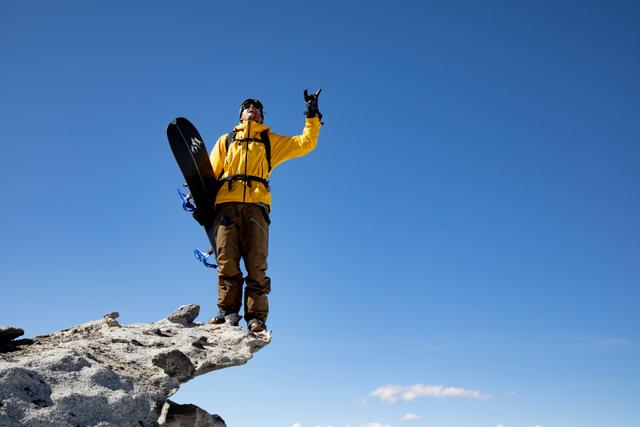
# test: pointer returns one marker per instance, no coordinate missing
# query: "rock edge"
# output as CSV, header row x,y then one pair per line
x,y
102,373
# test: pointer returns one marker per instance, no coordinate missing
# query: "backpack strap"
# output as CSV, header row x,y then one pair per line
x,y
230,137
264,136
246,179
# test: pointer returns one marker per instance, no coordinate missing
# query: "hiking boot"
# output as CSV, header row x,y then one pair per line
x,y
256,325
217,319
232,318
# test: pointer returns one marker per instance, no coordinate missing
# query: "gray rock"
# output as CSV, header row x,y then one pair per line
x,y
185,315
176,415
96,375
25,385
112,323
14,345
113,315
175,364
8,333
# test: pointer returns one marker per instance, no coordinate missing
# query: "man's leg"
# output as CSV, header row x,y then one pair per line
x,y
228,250
255,249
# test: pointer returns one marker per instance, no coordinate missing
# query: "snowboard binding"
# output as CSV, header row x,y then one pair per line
x,y
203,257
186,201
187,206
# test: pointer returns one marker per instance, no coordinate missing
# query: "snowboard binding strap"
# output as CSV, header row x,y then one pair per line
x,y
204,256
186,201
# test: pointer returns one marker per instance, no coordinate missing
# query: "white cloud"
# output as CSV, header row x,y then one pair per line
x,y
392,393
510,393
388,393
376,425
500,425
537,425
410,416
296,425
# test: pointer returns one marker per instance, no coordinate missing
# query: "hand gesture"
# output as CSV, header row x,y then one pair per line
x,y
312,104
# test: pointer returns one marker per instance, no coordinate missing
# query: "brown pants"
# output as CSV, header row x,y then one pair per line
x,y
242,231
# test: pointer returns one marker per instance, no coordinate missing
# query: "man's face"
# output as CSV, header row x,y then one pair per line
x,y
251,112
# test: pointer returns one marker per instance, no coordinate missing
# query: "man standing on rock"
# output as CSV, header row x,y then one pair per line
x,y
243,160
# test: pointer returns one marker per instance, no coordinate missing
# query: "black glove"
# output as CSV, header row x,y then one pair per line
x,y
312,104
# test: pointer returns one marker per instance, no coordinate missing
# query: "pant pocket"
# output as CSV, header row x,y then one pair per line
x,y
265,215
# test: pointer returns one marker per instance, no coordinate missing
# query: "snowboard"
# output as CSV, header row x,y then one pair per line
x,y
192,157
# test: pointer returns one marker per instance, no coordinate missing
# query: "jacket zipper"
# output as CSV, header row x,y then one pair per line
x,y
246,161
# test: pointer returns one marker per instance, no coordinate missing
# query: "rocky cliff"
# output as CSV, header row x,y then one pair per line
x,y
102,373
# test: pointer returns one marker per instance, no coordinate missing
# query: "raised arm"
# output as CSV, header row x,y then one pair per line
x,y
284,148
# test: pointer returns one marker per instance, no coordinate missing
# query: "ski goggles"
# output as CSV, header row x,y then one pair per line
x,y
248,102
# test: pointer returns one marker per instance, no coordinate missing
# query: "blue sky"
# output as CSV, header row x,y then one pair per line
x,y
469,220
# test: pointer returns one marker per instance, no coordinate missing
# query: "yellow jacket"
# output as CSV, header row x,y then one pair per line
x,y
250,158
